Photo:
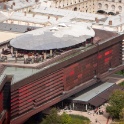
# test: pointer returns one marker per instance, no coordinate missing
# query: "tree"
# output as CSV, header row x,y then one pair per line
x,y
122,115
52,118
65,119
116,102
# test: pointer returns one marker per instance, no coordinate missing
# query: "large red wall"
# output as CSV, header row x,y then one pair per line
x,y
32,95
43,90
1,102
87,68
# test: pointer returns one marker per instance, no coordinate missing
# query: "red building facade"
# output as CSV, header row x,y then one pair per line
x,y
52,85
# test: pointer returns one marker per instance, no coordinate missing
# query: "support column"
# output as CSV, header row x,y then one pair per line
x,y
11,50
86,107
44,56
73,105
16,53
51,52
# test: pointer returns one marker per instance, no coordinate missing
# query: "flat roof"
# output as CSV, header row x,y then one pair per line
x,y
85,97
18,73
60,36
29,17
67,13
19,4
2,17
4,36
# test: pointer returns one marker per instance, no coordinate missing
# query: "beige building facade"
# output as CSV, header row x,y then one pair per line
x,y
115,6
90,6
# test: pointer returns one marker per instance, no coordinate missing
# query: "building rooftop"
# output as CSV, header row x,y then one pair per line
x,y
4,35
92,93
67,13
30,18
2,17
17,4
60,36
18,73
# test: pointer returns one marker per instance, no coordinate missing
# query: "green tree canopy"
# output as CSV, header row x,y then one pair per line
x,y
54,118
122,114
116,102
66,119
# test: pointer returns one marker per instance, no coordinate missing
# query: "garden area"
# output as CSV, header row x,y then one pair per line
x,y
54,118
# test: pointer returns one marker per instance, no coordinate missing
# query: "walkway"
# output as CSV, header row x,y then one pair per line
x,y
101,119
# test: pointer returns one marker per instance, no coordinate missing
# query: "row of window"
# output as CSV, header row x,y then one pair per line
x,y
106,6
116,1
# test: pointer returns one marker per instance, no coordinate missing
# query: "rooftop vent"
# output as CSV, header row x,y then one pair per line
x,y
4,6
62,25
54,29
14,3
56,18
110,22
48,16
96,20
25,13
69,25
88,28
11,6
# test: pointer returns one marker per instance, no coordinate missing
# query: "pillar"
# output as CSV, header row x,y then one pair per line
x,y
86,107
73,105
44,56
11,50
51,52
16,53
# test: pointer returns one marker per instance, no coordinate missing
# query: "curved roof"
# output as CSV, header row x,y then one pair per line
x,y
54,37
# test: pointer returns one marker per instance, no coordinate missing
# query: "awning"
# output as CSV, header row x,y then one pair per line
x,y
96,96
97,101
105,95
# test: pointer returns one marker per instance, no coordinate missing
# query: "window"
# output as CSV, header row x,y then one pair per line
x,y
106,6
120,8
113,7
99,5
119,1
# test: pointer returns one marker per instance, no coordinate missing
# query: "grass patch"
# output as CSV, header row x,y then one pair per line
x,y
120,73
121,84
77,119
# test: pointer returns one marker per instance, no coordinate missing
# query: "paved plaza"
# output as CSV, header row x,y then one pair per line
x,y
94,118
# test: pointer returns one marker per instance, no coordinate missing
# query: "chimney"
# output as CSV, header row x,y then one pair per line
x,y
24,13
48,16
96,20
33,14
11,6
4,6
110,22
56,18
14,3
